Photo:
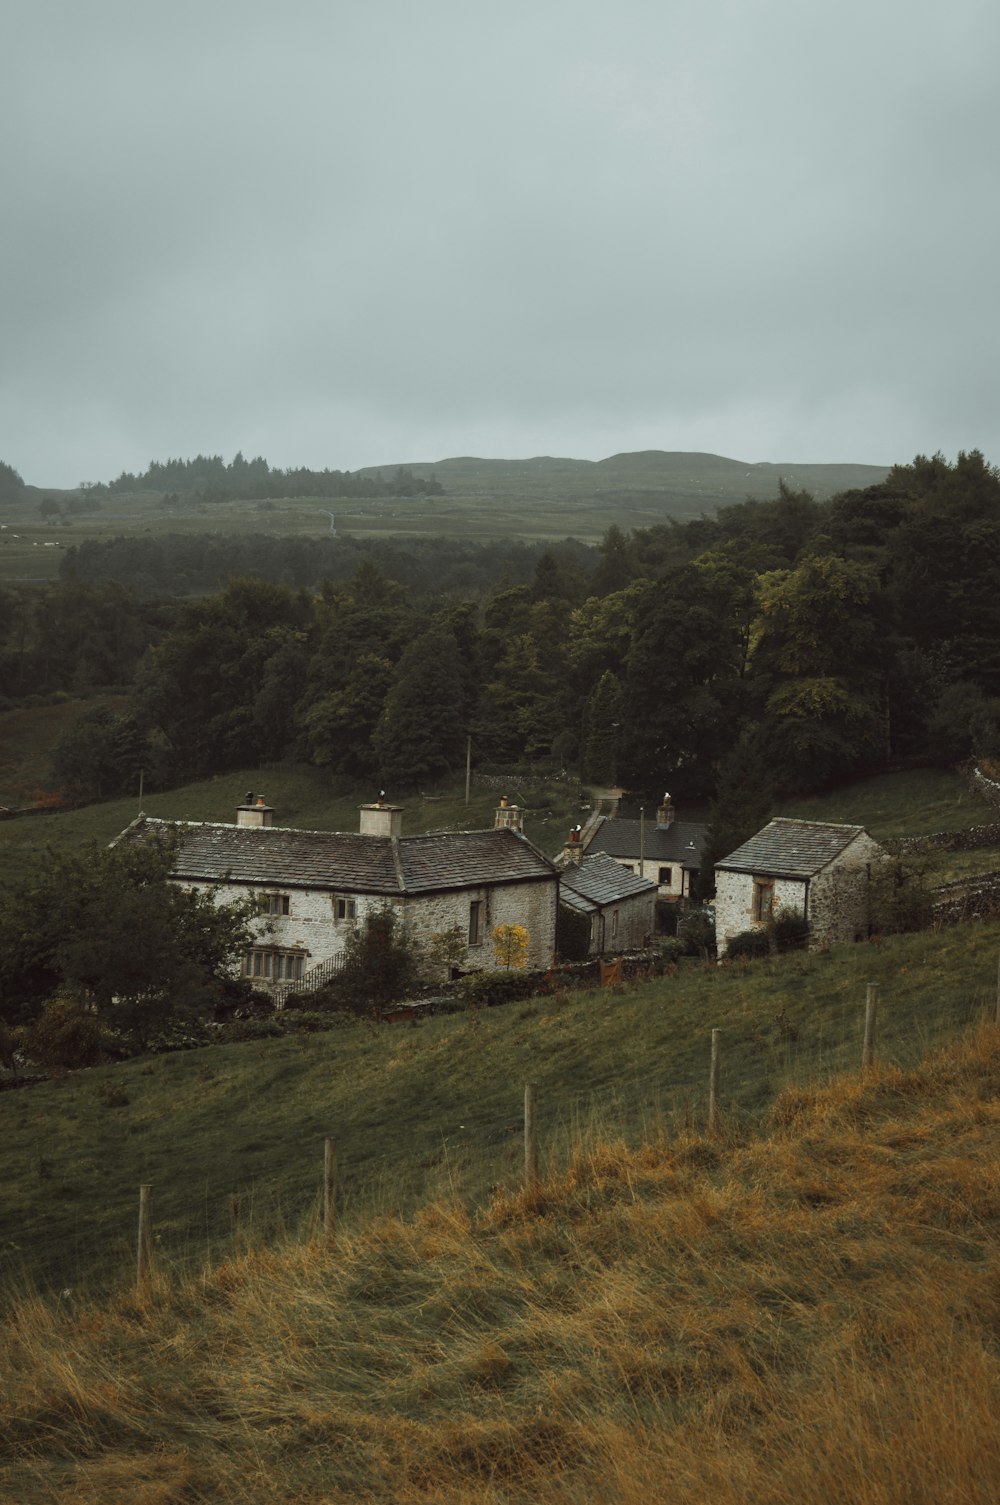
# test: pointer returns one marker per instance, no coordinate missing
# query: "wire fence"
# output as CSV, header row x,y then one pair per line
x,y
733,1081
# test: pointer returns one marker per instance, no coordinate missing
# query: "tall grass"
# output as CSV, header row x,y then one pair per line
x,y
807,1313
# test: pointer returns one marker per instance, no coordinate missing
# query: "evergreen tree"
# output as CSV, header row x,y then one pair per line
x,y
11,484
604,713
421,732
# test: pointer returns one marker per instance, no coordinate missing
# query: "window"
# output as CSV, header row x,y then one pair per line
x,y
273,966
763,898
614,924
273,903
476,922
666,876
345,909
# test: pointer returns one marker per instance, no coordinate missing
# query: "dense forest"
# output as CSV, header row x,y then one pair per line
x,y
777,646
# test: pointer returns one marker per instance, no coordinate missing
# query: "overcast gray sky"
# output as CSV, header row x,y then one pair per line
x,y
339,233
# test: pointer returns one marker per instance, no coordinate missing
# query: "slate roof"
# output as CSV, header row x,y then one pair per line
x,y
335,860
599,880
680,843
790,849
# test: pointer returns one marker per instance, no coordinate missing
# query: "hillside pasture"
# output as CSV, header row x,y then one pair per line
x,y
808,1315
435,1110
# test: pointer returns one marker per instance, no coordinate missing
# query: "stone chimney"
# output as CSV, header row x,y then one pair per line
x,y
254,812
665,812
508,817
573,847
381,819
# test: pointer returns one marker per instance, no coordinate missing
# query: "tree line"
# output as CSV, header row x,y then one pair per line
x,y
212,479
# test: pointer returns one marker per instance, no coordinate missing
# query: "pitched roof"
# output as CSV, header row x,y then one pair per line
x,y
790,848
681,842
209,852
599,880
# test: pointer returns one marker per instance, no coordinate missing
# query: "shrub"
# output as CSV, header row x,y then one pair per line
x,y
380,965
749,943
484,989
65,1035
696,932
790,930
670,950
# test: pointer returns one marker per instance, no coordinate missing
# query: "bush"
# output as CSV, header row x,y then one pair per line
x,y
65,1035
696,932
790,931
380,966
749,943
670,951
485,989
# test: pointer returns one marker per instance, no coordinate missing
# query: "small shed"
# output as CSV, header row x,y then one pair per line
x,y
822,872
619,904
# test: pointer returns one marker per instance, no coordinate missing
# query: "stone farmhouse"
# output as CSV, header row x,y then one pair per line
x,y
668,850
822,872
314,887
619,904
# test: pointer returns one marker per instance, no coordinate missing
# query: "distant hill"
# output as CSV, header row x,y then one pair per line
x,y
678,476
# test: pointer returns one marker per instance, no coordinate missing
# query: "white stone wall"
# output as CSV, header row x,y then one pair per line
x,y
840,896
734,904
532,904
311,925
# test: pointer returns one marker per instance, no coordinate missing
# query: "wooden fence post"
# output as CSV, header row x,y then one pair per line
x,y
713,1085
996,1005
329,1186
144,1249
530,1139
871,1005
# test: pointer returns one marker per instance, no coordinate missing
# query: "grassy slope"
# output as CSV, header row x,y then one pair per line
x,y
420,1112
302,797
807,1316
913,803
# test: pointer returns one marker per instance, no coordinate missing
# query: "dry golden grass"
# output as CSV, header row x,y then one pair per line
x,y
808,1315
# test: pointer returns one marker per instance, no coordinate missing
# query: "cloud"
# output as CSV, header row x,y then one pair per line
x,y
347,235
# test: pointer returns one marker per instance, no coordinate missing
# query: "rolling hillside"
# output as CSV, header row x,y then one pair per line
x,y
681,482
540,499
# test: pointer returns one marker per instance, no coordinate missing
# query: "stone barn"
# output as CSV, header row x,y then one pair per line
x,y
822,872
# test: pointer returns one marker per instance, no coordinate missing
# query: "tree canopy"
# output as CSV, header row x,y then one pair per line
x,y
106,925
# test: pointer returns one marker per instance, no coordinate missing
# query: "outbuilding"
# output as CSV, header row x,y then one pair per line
x,y
820,871
618,904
